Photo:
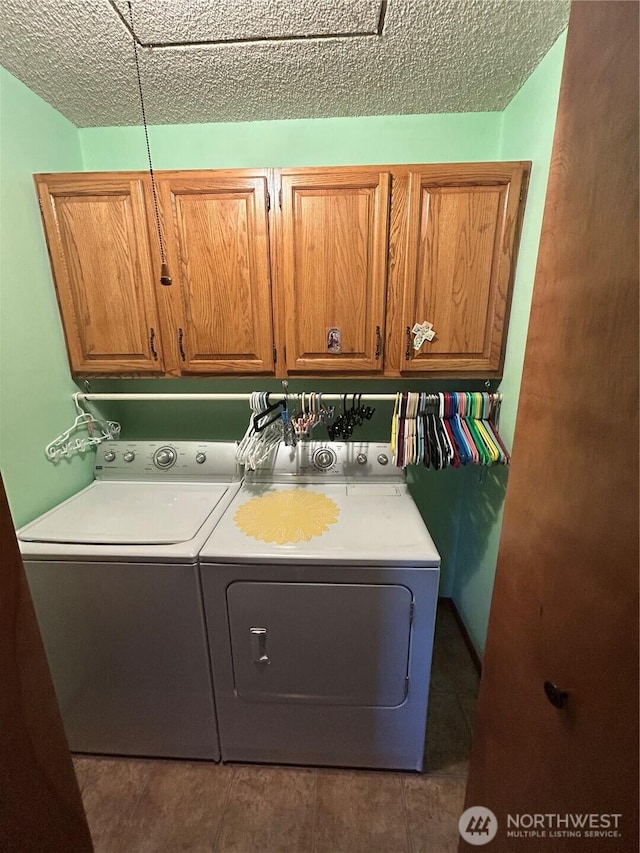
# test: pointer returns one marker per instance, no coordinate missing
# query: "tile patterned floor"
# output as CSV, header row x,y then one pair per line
x,y
152,806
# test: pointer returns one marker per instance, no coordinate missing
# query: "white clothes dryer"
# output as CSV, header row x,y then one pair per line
x,y
320,588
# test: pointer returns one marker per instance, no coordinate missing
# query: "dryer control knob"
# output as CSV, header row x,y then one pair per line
x,y
383,459
324,458
164,458
109,456
200,458
361,458
129,456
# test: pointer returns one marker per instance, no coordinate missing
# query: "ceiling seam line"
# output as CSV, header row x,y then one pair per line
x,y
257,40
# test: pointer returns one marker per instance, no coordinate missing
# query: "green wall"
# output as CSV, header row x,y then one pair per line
x,y
527,134
302,142
35,385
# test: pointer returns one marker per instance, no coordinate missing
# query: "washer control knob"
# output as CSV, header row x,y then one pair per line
x,y
129,456
201,457
361,458
383,459
324,458
109,456
164,458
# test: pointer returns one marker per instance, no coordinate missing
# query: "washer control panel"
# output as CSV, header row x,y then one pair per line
x,y
168,460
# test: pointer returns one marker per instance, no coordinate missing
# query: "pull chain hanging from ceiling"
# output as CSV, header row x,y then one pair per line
x,y
165,278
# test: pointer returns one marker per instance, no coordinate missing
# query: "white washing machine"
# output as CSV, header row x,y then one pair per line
x,y
320,587
114,577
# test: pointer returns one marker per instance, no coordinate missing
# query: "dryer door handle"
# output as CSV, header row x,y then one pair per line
x,y
259,645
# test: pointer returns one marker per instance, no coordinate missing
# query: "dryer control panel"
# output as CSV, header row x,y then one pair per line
x,y
337,460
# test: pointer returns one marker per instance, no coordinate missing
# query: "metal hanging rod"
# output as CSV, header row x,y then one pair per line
x,y
275,396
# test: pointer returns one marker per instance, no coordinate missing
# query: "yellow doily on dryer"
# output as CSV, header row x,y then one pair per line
x,y
283,517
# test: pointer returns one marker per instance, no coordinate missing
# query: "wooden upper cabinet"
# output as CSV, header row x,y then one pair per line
x,y
330,280
332,257
461,224
218,314
96,230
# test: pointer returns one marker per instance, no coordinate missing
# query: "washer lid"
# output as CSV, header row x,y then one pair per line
x,y
110,513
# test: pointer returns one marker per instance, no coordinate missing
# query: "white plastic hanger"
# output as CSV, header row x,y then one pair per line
x,y
97,431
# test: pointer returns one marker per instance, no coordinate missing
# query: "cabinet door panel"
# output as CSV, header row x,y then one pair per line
x,y
218,249
99,247
455,265
462,229
334,248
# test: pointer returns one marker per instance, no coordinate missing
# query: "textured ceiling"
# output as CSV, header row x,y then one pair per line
x,y
245,60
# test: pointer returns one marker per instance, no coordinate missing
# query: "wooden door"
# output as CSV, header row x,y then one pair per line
x,y
332,256
96,230
217,241
462,224
40,806
565,603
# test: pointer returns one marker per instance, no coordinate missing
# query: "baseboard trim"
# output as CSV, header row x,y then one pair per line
x,y
475,657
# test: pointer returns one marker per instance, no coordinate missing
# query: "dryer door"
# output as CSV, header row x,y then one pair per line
x,y
338,644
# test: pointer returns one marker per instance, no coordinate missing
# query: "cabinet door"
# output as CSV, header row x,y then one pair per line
x,y
96,231
462,224
217,236
334,228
